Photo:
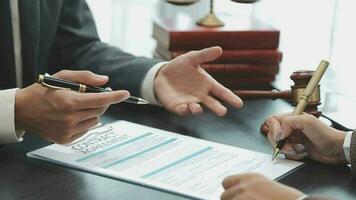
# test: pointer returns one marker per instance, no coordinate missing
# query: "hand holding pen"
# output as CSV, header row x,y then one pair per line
x,y
57,83
307,137
304,99
60,115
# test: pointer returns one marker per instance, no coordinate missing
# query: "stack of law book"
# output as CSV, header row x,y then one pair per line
x,y
250,58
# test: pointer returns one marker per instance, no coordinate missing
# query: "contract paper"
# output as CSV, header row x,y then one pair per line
x,y
160,159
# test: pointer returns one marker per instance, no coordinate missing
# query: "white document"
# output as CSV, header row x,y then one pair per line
x,y
161,159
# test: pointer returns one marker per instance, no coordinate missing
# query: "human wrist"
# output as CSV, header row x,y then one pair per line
x,y
158,80
148,86
339,148
20,100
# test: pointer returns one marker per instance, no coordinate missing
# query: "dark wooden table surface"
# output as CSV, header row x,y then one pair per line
x,y
27,178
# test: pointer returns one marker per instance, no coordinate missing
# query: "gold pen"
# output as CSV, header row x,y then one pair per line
x,y
304,99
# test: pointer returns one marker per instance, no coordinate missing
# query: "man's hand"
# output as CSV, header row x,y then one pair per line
x,y
307,136
62,116
256,187
182,85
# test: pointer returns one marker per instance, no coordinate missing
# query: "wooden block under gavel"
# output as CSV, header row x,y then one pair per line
x,y
300,79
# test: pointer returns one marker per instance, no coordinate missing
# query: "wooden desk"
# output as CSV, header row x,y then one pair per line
x,y
26,178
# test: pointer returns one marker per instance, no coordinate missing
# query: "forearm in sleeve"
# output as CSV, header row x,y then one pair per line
x,y
353,154
8,132
78,46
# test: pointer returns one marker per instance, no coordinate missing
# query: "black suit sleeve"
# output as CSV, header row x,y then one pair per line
x,y
77,46
353,154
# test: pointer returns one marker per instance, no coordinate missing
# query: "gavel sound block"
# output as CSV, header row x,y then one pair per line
x,y
300,79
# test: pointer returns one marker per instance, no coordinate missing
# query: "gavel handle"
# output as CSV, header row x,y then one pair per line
x,y
260,94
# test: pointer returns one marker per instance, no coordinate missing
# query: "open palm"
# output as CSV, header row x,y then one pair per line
x,y
181,86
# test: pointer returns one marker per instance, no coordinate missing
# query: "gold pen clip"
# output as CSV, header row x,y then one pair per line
x,y
82,88
41,80
305,97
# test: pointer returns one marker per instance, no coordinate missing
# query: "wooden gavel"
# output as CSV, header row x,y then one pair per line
x,y
300,79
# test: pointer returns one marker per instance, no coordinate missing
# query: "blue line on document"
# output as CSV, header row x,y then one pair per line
x,y
112,147
176,162
139,153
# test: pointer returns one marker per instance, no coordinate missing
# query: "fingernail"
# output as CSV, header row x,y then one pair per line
x,y
182,109
109,89
104,77
299,148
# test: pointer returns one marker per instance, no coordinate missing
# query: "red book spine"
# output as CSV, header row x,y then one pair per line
x,y
236,70
239,83
240,76
243,40
241,69
268,56
237,80
232,40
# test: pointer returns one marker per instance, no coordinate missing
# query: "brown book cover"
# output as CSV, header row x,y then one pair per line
x,y
237,69
239,83
249,86
267,56
238,80
224,79
238,33
241,69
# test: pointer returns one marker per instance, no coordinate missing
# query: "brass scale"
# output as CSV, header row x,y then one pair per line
x,y
210,20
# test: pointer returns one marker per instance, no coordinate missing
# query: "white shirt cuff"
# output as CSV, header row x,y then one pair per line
x,y
347,145
147,87
8,132
303,197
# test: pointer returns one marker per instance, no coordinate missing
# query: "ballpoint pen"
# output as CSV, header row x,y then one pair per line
x,y
56,83
304,99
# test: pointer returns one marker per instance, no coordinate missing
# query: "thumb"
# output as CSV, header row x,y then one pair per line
x,y
232,180
84,77
205,55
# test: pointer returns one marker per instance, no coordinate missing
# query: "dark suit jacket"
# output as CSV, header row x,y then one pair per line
x,y
353,154
353,166
61,34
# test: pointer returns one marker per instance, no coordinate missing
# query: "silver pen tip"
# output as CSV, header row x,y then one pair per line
x,y
275,153
142,101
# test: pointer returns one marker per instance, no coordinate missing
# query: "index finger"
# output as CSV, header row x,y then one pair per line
x,y
226,95
274,124
205,55
274,129
280,116
99,100
84,77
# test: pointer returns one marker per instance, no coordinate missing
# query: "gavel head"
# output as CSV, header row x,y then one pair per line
x,y
181,2
301,80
